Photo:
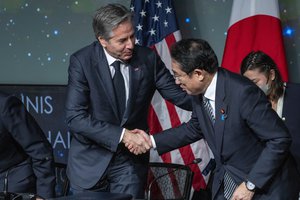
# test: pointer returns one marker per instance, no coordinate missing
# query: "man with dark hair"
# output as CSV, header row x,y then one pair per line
x,y
249,141
111,84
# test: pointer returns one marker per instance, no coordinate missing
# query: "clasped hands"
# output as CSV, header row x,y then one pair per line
x,y
137,141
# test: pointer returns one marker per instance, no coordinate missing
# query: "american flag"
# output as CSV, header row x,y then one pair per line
x,y
156,27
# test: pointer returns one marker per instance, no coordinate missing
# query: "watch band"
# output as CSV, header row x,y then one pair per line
x,y
250,186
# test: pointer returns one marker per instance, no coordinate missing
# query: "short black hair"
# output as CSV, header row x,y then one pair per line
x,y
193,54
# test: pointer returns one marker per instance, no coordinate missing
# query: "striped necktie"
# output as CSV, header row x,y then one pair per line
x,y
208,109
229,186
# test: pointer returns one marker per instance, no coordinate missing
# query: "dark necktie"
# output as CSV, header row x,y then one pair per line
x,y
119,85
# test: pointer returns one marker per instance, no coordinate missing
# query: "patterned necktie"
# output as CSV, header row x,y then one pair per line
x,y
229,186
208,109
119,86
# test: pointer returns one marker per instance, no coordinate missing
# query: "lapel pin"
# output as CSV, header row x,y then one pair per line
x,y
223,116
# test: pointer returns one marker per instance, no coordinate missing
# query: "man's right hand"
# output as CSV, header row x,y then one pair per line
x,y
137,141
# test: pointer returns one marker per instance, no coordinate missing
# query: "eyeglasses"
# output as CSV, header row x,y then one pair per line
x,y
178,77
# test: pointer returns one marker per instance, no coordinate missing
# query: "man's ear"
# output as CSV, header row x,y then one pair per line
x,y
102,41
199,73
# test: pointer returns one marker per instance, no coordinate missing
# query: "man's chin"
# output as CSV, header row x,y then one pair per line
x,y
127,57
185,90
188,92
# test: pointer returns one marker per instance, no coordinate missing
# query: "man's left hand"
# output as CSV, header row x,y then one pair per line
x,y
242,193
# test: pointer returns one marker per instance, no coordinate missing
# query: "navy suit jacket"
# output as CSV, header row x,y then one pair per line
x,y
91,108
291,117
248,139
26,154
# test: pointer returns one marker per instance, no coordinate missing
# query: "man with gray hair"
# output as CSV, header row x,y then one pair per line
x,y
111,84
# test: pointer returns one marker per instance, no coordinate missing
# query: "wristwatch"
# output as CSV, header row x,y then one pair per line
x,y
250,186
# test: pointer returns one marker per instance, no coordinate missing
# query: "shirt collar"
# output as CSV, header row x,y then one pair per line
x,y
109,58
210,92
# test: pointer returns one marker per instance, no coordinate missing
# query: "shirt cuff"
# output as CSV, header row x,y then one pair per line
x,y
122,135
153,142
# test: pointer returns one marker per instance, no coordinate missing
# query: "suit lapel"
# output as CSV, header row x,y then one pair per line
x,y
102,69
221,110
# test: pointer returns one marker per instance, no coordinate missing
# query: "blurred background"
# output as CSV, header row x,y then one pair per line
x,y
38,36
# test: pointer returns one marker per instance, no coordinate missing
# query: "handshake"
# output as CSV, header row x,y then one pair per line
x,y
137,141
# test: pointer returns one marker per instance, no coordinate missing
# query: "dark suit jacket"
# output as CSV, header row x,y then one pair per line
x,y
24,151
248,140
291,117
91,108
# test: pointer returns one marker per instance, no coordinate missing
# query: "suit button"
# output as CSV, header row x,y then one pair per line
x,y
220,182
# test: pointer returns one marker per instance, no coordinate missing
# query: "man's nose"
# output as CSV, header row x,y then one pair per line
x,y
130,43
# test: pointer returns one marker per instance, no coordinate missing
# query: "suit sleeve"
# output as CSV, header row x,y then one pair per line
x,y
174,138
167,87
79,118
271,132
31,138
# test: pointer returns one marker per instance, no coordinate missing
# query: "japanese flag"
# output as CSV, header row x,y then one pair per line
x,y
254,25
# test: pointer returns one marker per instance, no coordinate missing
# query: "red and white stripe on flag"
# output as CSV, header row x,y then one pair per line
x,y
254,25
156,28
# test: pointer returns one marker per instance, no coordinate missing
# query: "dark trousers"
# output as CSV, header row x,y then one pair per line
x,y
125,174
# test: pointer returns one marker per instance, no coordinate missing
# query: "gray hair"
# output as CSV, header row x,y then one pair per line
x,y
109,17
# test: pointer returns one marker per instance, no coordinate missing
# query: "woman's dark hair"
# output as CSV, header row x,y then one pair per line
x,y
193,54
264,63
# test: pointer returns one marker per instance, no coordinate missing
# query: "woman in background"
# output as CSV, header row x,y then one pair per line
x,y
284,97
